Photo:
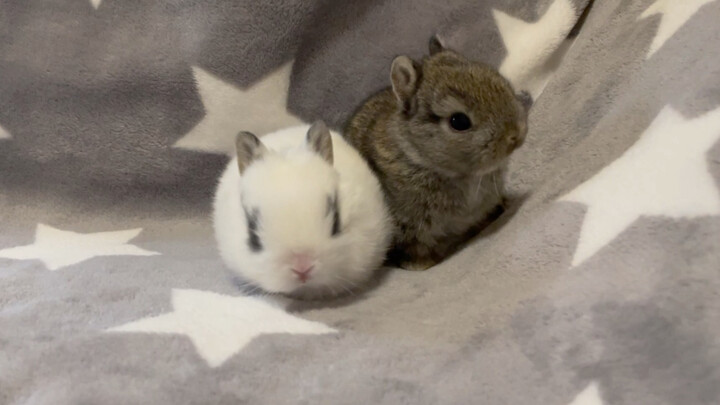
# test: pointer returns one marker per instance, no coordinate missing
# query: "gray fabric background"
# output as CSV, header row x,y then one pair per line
x,y
94,100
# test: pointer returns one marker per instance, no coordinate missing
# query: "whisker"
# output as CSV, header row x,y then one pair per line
x,y
477,189
345,283
494,178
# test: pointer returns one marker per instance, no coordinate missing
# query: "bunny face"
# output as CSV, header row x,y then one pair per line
x,y
456,116
288,222
292,214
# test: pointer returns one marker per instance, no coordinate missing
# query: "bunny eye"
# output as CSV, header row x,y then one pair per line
x,y
460,122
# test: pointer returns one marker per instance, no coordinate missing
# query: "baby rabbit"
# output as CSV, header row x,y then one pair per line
x,y
438,140
301,213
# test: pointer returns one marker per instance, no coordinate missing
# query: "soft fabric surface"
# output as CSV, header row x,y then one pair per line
x,y
598,286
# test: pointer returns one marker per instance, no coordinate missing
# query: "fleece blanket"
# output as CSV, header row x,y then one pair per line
x,y
599,285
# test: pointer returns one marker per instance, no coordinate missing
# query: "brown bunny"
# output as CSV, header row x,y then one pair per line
x,y
439,140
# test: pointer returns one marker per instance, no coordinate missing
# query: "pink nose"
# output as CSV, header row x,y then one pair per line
x,y
302,265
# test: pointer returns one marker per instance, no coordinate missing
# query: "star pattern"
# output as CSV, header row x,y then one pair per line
x,y
260,109
532,46
4,134
674,14
663,174
220,326
589,396
56,248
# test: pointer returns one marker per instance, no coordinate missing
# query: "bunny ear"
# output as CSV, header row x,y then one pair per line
x,y
525,100
435,45
248,148
320,141
404,78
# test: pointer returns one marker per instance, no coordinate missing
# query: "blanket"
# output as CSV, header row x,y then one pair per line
x,y
599,284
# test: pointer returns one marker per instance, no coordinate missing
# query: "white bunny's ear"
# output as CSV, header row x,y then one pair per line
x,y
319,140
248,148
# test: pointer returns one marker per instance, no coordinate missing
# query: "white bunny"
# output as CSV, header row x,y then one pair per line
x,y
301,213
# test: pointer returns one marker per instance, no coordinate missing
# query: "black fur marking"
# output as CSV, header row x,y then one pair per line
x,y
333,209
330,205
336,224
253,241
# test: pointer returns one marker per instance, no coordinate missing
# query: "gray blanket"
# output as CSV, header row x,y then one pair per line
x,y
598,286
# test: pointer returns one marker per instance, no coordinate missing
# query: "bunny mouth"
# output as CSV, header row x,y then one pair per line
x,y
489,167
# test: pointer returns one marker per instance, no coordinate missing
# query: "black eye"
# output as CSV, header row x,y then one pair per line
x,y
460,122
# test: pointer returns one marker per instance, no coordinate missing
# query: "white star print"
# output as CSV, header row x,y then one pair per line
x,y
674,14
663,174
57,248
220,325
533,47
260,109
95,3
589,396
4,134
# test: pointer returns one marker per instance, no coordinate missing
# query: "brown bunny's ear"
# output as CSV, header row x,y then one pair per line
x,y
435,45
248,148
404,78
319,140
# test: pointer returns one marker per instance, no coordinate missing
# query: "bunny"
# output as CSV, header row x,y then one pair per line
x,y
439,139
301,213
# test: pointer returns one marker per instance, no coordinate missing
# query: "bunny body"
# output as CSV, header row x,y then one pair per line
x,y
439,140
300,218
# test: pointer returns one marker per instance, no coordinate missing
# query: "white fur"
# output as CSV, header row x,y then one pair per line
x,y
290,185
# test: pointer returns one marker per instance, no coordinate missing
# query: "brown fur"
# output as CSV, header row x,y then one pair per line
x,y
441,185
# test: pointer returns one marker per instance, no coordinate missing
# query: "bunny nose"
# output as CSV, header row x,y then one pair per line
x,y
302,264
514,141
